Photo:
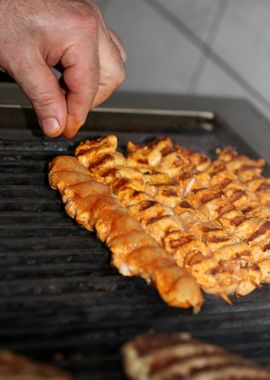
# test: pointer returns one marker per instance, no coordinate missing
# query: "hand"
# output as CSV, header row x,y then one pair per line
x,y
38,35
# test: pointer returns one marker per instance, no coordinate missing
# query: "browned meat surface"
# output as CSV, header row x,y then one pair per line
x,y
192,207
211,218
134,252
237,231
177,356
17,367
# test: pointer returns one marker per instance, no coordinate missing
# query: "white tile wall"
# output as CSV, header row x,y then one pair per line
x,y
196,14
159,58
214,81
162,57
243,40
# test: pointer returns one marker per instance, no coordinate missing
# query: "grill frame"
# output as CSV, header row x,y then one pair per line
x,y
52,290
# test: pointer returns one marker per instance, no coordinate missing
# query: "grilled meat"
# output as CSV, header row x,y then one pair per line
x,y
133,191
134,252
237,232
178,356
204,214
18,367
194,221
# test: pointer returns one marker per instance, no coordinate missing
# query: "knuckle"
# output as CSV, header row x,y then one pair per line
x,y
79,82
118,76
87,21
41,100
96,10
82,20
115,76
122,77
18,66
115,71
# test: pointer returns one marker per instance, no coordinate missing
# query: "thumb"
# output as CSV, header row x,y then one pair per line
x,y
43,90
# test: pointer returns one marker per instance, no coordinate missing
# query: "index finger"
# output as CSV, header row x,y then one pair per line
x,y
81,76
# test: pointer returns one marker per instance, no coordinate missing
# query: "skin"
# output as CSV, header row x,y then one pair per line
x,y
70,34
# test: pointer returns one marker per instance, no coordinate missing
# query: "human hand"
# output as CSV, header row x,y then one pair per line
x,y
38,35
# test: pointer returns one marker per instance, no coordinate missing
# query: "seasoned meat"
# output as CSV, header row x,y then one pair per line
x,y
134,252
193,219
177,356
210,218
18,367
232,194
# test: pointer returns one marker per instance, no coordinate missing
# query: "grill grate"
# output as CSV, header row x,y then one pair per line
x,y
60,300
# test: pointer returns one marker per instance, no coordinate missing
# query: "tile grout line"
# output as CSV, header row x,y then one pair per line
x,y
206,50
213,29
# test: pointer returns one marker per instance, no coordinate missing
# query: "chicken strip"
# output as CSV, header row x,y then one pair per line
x,y
189,234
134,252
236,220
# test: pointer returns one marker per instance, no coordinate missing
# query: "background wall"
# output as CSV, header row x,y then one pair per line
x,y
204,47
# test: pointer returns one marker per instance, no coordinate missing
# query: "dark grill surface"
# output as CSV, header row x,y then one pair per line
x,y
60,300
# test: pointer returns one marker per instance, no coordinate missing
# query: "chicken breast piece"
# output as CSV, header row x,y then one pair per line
x,y
170,356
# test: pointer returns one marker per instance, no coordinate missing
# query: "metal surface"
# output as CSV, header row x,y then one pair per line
x,y
138,111
60,300
249,123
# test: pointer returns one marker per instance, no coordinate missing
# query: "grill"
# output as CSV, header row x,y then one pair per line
x,y
60,300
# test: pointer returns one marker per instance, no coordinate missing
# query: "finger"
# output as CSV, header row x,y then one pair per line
x,y
112,55
42,88
112,75
104,92
81,76
109,33
112,71
119,45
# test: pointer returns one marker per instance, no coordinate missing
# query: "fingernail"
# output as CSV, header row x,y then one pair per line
x,y
50,126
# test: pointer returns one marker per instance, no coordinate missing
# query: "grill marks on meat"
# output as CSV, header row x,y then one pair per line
x,y
201,212
134,252
178,356
194,218
222,192
247,172
159,219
